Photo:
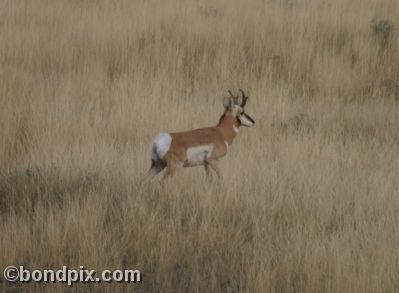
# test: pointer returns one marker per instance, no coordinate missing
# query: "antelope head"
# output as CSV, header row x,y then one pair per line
x,y
235,105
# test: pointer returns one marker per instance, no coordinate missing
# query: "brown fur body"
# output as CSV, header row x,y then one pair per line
x,y
217,136
202,146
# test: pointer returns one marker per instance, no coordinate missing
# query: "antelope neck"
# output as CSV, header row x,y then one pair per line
x,y
228,126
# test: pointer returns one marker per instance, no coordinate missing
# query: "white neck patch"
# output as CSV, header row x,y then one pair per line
x,y
235,128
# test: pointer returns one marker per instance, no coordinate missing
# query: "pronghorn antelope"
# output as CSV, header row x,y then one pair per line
x,y
203,146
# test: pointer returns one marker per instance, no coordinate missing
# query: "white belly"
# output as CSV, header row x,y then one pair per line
x,y
198,155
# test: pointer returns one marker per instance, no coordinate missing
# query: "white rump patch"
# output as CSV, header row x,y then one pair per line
x,y
160,146
235,128
198,155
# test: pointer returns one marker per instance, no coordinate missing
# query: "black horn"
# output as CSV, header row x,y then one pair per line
x,y
233,96
244,98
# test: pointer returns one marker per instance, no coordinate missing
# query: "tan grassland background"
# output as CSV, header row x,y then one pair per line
x,y
309,199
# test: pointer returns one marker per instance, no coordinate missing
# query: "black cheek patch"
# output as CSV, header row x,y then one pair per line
x,y
249,118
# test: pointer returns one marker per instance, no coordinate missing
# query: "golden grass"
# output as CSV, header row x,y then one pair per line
x,y
309,200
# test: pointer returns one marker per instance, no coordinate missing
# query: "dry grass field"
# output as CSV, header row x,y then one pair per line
x,y
309,201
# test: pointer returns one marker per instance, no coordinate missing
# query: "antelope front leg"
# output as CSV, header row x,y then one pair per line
x,y
215,167
207,171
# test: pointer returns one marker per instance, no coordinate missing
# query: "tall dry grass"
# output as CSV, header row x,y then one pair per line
x,y
309,200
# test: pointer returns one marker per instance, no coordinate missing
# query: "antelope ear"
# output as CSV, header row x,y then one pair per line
x,y
228,102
